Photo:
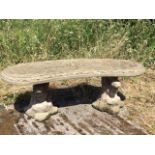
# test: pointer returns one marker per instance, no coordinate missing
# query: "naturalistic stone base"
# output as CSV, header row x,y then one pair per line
x,y
80,119
40,109
110,101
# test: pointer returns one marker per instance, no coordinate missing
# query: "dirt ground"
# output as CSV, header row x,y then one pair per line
x,y
139,92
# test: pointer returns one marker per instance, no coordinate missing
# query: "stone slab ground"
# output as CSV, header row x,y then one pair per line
x,y
71,120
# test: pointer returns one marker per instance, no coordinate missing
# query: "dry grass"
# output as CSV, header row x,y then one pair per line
x,y
140,92
8,93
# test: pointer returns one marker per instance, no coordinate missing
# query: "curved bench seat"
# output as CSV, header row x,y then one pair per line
x,y
47,71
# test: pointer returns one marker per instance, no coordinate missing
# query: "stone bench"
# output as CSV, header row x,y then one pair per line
x,y
39,74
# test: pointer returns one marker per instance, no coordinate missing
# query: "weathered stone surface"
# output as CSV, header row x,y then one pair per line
x,y
42,116
42,111
39,108
46,71
79,119
109,101
43,107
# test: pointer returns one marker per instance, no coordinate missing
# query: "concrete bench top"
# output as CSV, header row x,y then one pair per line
x,y
47,71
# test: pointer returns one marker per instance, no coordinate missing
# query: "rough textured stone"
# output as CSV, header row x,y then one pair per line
x,y
79,119
39,108
42,111
109,101
43,107
47,71
42,116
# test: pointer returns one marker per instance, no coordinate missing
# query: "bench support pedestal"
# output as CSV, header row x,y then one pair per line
x,y
39,108
109,101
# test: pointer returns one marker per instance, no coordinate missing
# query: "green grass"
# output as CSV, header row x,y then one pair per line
x,y
32,40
